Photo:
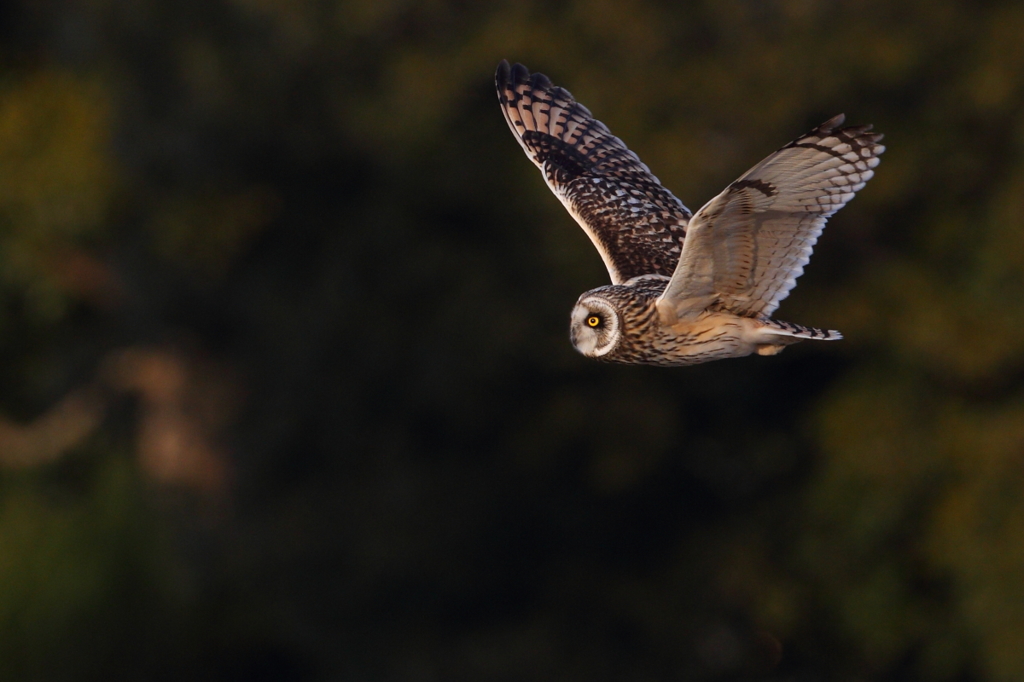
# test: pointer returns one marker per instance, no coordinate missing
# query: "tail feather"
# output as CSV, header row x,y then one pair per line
x,y
798,331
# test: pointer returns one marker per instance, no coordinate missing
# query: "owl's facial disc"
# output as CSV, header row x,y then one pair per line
x,y
594,327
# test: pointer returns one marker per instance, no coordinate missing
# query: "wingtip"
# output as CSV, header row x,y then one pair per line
x,y
519,73
861,132
833,123
501,76
539,81
511,74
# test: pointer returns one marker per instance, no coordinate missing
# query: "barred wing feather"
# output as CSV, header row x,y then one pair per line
x,y
637,225
746,247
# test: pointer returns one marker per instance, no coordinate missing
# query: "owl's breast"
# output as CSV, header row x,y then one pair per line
x,y
712,336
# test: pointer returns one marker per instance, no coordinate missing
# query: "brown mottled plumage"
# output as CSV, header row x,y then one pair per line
x,y
685,289
636,224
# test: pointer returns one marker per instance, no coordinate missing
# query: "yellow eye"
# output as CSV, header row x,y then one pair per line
x,y
593,320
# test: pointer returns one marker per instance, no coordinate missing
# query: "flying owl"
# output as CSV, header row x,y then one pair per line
x,y
686,288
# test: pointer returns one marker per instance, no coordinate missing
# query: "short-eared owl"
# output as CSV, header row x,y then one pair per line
x,y
685,288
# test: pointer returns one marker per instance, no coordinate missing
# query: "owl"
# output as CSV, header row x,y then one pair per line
x,y
686,287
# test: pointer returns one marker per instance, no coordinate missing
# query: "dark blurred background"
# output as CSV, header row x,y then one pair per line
x,y
286,391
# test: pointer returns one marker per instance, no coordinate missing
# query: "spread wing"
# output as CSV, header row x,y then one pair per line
x,y
637,225
746,247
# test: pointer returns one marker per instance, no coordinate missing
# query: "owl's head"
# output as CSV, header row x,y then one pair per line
x,y
595,326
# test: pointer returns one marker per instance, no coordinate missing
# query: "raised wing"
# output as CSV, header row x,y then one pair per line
x,y
746,247
637,225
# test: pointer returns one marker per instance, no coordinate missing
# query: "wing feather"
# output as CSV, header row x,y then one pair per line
x,y
746,247
637,225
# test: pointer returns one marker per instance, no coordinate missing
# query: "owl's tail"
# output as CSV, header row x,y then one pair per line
x,y
780,328
775,335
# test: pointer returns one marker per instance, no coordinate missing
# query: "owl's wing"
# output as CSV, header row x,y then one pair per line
x,y
746,247
637,225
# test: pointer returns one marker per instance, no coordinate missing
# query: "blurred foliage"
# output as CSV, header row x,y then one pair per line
x,y
56,181
283,326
